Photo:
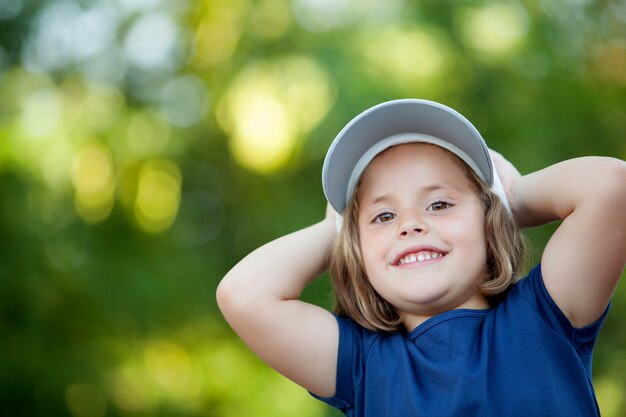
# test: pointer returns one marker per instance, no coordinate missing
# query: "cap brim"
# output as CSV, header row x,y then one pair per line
x,y
394,118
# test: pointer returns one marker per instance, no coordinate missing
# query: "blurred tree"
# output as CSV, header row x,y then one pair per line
x,y
146,146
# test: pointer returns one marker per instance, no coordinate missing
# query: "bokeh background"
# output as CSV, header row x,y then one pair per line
x,y
148,145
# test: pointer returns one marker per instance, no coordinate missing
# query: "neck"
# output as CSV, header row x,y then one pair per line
x,y
411,321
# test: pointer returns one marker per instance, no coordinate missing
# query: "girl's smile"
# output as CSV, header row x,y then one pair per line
x,y
418,256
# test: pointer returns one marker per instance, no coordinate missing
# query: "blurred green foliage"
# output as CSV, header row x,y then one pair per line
x,y
146,146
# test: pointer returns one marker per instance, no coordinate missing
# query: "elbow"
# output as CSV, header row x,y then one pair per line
x,y
227,296
236,298
604,190
222,294
242,306
619,168
612,179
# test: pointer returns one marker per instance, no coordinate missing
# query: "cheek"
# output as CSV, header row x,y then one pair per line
x,y
474,242
372,253
471,236
368,253
367,243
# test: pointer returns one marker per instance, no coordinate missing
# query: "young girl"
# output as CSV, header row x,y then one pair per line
x,y
431,318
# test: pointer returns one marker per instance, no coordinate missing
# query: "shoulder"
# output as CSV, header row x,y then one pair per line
x,y
529,297
353,337
355,345
529,304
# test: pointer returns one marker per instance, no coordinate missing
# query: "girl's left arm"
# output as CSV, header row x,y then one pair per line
x,y
584,259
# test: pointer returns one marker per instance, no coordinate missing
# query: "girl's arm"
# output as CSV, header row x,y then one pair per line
x,y
584,258
259,299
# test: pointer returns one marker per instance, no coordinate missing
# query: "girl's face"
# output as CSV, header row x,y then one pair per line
x,y
421,228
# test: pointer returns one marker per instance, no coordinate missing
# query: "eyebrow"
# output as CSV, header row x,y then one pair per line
x,y
426,189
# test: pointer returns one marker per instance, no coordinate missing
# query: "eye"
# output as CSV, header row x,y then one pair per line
x,y
439,205
384,217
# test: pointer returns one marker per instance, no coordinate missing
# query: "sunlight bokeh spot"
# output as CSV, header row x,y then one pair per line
x,y
309,91
132,390
328,15
270,19
494,29
227,10
108,67
41,113
151,40
218,32
90,31
325,15
171,368
94,183
101,107
133,6
407,55
85,400
233,363
158,195
146,135
92,170
215,42
67,33
270,106
263,136
184,101
55,161
289,399
246,386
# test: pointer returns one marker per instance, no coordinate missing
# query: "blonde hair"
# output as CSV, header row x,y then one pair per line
x,y
356,298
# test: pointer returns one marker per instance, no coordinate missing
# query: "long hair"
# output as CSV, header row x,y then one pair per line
x,y
356,298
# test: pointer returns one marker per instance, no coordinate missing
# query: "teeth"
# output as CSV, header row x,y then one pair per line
x,y
420,257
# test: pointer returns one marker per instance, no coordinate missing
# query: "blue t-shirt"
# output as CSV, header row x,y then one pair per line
x,y
520,357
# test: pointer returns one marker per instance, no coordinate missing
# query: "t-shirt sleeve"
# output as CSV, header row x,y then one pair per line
x,y
534,292
350,364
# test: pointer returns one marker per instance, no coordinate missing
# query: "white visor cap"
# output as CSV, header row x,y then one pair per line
x,y
398,122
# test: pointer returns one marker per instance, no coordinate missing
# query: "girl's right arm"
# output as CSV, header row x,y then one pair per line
x,y
259,299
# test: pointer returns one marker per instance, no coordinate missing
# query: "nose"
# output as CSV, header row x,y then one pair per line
x,y
411,224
